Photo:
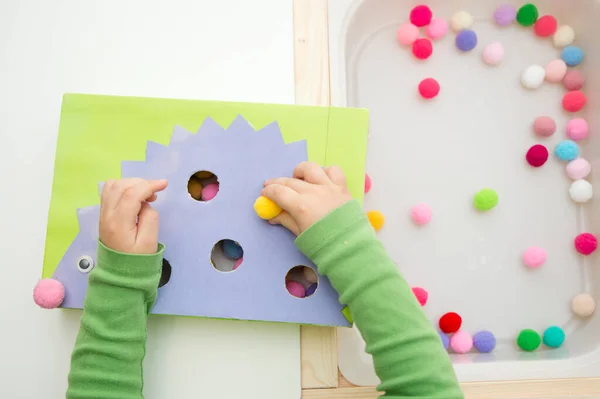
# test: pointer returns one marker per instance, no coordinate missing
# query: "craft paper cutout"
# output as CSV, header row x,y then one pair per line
x,y
241,156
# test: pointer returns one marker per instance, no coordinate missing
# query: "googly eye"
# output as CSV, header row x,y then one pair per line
x,y
85,264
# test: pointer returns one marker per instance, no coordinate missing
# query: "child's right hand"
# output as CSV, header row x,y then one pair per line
x,y
308,197
127,222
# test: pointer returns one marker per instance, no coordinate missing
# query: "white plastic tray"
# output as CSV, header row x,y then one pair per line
x,y
474,135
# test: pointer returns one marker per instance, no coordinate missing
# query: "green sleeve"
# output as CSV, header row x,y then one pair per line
x,y
407,352
111,344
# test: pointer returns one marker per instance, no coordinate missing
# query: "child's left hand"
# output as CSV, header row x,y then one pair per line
x,y
127,222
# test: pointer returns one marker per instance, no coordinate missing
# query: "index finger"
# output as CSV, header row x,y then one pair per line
x,y
284,196
130,202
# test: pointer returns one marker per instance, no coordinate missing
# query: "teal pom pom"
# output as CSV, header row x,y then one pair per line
x,y
566,150
232,249
554,337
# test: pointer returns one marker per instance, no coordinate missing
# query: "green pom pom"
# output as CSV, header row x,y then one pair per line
x,y
554,337
529,340
527,15
485,199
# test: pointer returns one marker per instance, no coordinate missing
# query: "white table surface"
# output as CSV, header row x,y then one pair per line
x,y
221,50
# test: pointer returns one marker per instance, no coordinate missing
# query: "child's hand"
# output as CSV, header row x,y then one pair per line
x,y
308,197
127,222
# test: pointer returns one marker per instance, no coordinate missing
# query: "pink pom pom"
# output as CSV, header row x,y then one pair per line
x,y
461,342
421,295
295,288
586,243
210,191
437,28
421,214
407,34
367,183
544,126
238,263
420,15
534,257
48,293
556,71
578,169
577,129
422,48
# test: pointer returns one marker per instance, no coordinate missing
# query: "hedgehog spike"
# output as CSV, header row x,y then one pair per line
x,y
154,150
189,230
240,126
179,135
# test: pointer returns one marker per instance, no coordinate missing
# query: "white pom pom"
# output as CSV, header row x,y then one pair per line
x,y
461,20
533,76
564,36
581,191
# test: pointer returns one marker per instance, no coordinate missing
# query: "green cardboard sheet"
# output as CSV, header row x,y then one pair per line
x,y
98,132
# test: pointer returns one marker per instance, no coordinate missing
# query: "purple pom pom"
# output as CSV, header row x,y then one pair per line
x,y
466,40
445,340
484,341
505,15
311,290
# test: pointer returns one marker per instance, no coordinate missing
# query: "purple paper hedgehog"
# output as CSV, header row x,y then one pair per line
x,y
242,159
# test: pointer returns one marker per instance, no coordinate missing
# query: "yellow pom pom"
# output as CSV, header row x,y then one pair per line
x,y
195,188
265,208
376,218
203,174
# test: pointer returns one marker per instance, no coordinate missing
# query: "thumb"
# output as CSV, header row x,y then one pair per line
x,y
286,220
147,230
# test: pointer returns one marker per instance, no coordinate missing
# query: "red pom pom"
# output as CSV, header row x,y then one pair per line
x,y
420,15
450,323
537,155
422,48
574,101
429,88
586,243
545,26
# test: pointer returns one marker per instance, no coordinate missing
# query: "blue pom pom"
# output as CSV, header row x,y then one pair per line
x,y
466,40
566,150
445,340
311,290
232,249
554,337
484,341
572,55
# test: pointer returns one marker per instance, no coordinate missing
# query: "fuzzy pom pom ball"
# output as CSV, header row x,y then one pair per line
x,y
493,53
420,15
566,150
421,295
554,337
574,101
556,71
266,209
450,322
466,40
461,20
422,48
407,34
583,305
445,340
437,28
195,188
237,263
309,275
564,36
573,80
586,243
544,126
295,288
368,183
232,249
484,341
311,290
581,191
545,26
505,15
210,191
48,293
578,168
527,15
461,342
529,340
577,129
376,219
421,214
534,257
533,76
537,155
429,88
572,55
485,199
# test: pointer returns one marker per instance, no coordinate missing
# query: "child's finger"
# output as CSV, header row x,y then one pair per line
x,y
310,172
285,197
132,198
147,231
336,174
295,184
286,220
115,191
